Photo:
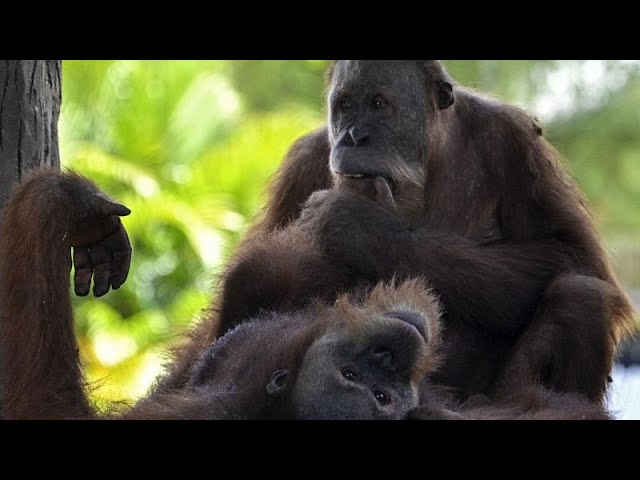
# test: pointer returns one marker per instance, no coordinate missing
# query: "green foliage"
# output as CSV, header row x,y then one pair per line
x,y
176,143
190,145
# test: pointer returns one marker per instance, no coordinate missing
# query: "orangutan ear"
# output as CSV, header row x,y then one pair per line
x,y
445,95
278,382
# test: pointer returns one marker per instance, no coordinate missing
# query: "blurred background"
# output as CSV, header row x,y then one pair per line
x,y
190,145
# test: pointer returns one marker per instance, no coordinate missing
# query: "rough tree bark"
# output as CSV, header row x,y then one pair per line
x,y
30,99
29,108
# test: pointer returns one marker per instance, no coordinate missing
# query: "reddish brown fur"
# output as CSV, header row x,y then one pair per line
x,y
39,367
506,241
530,403
505,238
34,290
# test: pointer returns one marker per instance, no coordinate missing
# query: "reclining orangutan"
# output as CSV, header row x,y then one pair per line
x,y
367,355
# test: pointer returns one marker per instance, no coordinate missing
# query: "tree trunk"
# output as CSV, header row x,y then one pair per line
x,y
29,108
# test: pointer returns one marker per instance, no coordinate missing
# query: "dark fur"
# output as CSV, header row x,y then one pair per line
x,y
259,370
529,403
240,376
38,351
489,216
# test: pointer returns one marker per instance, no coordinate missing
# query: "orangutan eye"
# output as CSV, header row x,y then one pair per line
x,y
381,397
345,104
350,375
378,103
